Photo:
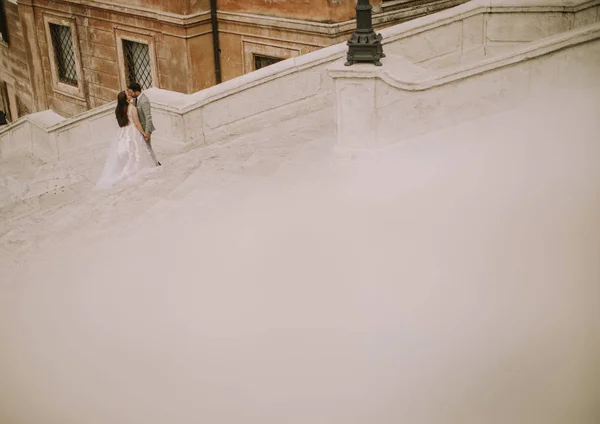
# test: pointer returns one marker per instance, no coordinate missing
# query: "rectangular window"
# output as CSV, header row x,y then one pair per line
x,y
262,61
3,24
62,41
5,103
137,63
22,109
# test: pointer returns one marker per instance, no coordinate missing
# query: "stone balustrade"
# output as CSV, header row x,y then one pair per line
x,y
463,35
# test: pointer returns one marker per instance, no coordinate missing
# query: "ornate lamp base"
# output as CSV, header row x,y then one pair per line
x,y
365,48
364,45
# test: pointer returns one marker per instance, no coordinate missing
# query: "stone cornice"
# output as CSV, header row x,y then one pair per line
x,y
412,77
311,27
302,25
296,25
285,23
141,12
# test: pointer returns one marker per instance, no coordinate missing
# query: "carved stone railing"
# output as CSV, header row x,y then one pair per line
x,y
464,34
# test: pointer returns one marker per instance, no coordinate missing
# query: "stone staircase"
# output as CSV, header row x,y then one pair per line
x,y
269,272
266,263
50,177
77,212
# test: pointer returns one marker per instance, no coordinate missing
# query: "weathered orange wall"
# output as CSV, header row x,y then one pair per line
x,y
202,63
179,7
196,6
231,58
310,10
182,35
14,62
98,46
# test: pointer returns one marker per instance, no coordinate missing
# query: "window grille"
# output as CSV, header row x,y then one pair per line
x,y
4,103
62,41
137,63
262,61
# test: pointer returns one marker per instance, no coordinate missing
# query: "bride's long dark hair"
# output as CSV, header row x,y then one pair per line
x,y
121,110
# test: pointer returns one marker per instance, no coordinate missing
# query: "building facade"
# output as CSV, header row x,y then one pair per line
x,y
73,55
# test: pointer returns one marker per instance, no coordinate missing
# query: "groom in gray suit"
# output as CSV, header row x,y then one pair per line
x,y
142,103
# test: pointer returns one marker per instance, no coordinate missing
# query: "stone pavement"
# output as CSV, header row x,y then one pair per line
x,y
77,212
275,278
272,279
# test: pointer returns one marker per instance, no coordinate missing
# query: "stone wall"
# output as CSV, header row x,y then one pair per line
x,y
481,58
325,11
469,36
402,105
99,33
246,29
247,102
180,40
14,68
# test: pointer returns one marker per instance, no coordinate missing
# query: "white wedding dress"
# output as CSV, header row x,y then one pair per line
x,y
128,156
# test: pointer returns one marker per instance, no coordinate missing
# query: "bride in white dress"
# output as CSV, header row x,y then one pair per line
x,y
128,155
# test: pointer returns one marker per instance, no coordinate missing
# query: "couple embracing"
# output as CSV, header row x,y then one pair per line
x,y
131,151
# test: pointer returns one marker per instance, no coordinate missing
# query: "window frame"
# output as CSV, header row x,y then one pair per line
x,y
141,37
57,85
9,82
128,50
4,35
255,56
251,47
62,65
6,106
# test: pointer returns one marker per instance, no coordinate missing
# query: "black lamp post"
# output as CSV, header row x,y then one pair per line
x,y
364,45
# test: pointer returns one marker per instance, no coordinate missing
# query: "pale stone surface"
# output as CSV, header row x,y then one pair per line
x,y
271,279
172,134
41,146
543,72
473,30
496,49
433,43
580,65
356,113
16,141
525,27
181,118
586,17
274,278
410,100
447,60
28,174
